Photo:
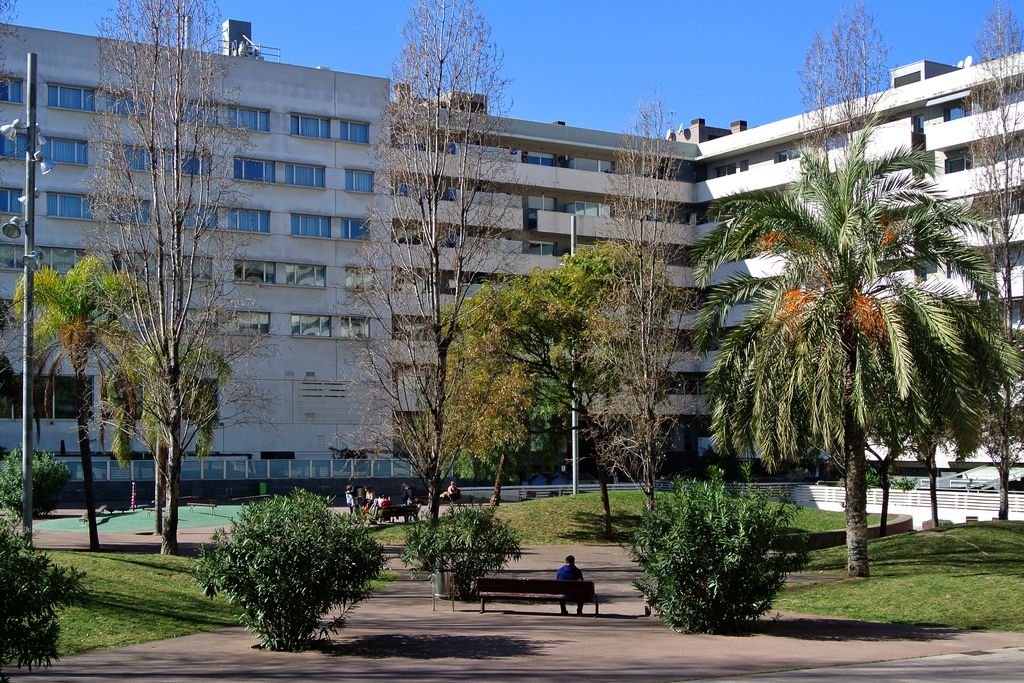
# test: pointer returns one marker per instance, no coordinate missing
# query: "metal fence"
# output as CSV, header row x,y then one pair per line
x,y
223,469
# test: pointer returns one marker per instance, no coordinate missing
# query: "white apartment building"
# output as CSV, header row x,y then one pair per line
x,y
309,177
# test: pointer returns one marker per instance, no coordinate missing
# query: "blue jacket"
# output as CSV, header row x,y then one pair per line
x,y
569,572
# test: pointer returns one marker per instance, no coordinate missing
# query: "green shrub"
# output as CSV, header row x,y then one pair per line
x,y
288,561
713,561
34,590
48,478
469,542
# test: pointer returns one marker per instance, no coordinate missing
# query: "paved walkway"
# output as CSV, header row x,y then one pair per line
x,y
394,635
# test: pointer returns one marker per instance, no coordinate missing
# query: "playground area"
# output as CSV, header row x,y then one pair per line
x,y
142,520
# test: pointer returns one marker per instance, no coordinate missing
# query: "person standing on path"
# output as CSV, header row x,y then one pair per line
x,y
570,572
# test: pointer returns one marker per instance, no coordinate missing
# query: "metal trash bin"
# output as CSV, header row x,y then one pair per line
x,y
442,585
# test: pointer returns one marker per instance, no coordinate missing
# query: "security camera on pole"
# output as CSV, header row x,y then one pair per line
x,y
14,228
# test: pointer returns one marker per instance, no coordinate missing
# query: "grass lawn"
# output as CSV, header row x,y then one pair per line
x,y
577,519
134,598
965,576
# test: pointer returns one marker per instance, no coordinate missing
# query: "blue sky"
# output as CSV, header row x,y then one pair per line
x,y
587,62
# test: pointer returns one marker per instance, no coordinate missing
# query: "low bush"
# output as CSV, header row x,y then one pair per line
x,y
713,561
48,478
34,590
288,561
469,542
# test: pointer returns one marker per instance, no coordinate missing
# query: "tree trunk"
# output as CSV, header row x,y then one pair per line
x,y
83,400
169,540
933,475
496,494
602,478
1004,490
434,496
159,486
883,475
856,500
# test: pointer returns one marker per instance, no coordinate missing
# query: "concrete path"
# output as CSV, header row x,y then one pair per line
x,y
395,635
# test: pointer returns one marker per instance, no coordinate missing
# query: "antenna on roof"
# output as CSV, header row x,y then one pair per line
x,y
960,64
968,60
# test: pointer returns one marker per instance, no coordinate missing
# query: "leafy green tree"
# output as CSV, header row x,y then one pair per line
x,y
468,542
72,318
805,366
713,561
34,591
288,561
546,325
48,478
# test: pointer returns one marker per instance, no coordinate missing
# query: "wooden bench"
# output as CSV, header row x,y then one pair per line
x,y
388,513
212,506
535,590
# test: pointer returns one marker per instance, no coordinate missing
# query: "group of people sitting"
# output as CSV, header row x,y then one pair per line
x,y
364,500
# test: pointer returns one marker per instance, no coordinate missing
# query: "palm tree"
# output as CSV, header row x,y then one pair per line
x,y
71,321
842,319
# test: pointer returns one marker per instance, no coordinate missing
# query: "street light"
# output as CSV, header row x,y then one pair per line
x,y
24,227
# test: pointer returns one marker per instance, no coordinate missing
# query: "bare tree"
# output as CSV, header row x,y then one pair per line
x,y
162,175
843,77
642,326
997,155
435,231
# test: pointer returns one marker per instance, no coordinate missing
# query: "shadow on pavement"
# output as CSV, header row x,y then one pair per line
x,y
843,630
435,647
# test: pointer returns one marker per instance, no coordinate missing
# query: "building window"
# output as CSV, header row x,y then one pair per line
x,y
60,259
957,160
784,155
358,278
588,209
69,151
137,158
122,105
540,159
351,327
359,181
311,325
10,90
355,132
311,126
259,272
255,170
248,220
305,275
10,256
306,176
954,112
725,169
193,165
14,148
744,165
249,119
253,322
60,205
9,201
353,229
311,226
69,97
541,248
917,123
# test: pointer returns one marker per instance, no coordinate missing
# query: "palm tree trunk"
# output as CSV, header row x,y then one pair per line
x,y
498,476
928,452
83,402
856,499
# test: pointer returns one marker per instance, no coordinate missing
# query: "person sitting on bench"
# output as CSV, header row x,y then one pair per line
x,y
570,572
453,494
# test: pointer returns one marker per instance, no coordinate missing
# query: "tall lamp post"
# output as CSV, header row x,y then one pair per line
x,y
13,229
